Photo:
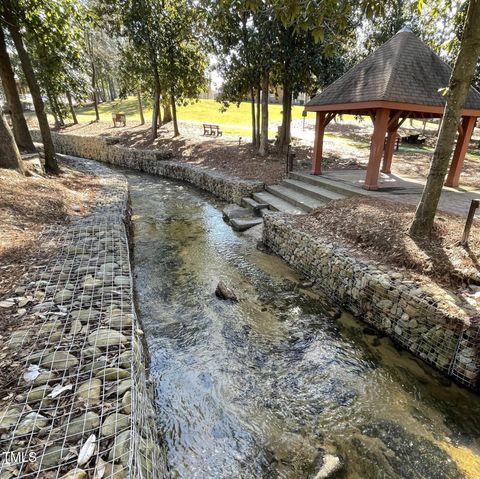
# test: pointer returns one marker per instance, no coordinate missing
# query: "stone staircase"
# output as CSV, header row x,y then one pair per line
x,y
300,193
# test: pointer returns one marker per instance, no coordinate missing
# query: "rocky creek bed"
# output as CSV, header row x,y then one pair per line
x,y
82,406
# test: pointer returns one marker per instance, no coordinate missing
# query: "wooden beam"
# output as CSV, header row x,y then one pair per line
x,y
391,105
392,122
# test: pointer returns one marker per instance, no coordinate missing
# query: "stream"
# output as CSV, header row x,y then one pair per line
x,y
268,386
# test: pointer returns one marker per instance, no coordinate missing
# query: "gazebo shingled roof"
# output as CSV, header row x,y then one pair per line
x,y
402,78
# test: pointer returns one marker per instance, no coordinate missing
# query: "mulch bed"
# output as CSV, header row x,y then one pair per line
x,y
376,229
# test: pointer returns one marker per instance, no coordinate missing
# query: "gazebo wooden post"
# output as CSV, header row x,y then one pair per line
x,y
376,148
318,143
464,136
390,146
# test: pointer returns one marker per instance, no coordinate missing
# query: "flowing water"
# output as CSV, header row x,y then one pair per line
x,y
266,387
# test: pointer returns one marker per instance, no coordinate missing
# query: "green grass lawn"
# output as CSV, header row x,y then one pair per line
x,y
235,120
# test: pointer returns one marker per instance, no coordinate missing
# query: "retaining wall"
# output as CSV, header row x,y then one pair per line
x,y
156,162
385,300
83,391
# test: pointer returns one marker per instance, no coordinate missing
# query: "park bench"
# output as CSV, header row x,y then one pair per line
x,y
211,130
414,139
119,119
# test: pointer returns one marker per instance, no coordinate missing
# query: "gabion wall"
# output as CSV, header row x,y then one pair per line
x,y
82,406
155,162
392,305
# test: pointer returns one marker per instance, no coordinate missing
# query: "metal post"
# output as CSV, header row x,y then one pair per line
x,y
468,225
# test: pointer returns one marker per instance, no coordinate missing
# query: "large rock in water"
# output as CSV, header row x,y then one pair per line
x,y
224,292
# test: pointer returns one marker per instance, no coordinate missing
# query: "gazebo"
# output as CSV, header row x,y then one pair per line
x,y
401,79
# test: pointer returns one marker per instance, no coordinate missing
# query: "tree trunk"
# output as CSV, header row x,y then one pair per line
x,y
160,110
111,89
167,113
459,84
254,128
53,110
20,128
9,154
284,137
140,107
174,113
156,102
263,150
257,133
51,165
72,109
94,91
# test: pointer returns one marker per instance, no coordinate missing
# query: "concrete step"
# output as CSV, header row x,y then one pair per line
x,y
315,191
321,181
277,204
297,199
253,205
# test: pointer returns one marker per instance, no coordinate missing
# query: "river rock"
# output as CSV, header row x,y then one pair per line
x,y
119,321
114,423
122,280
125,359
43,307
82,425
60,360
127,403
123,387
76,327
89,391
75,474
103,338
121,448
18,338
85,315
31,422
91,283
8,303
331,465
52,457
63,296
49,326
113,374
224,292
9,416
38,393
114,471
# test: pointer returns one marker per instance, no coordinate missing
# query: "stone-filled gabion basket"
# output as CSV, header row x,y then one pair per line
x,y
155,162
392,305
83,405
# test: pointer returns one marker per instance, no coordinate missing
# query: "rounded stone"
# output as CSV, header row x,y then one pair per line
x,y
89,391
127,403
113,374
60,360
63,296
121,448
122,280
114,423
106,337
82,425
38,393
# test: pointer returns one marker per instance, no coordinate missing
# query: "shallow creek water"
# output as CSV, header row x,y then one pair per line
x,y
264,388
